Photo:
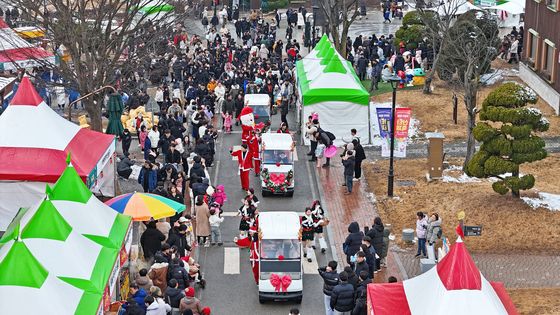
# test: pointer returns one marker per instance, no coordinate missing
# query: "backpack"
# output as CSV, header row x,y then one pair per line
x,y
330,135
439,233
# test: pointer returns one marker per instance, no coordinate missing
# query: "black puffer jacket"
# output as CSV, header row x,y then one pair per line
x,y
180,274
173,296
342,297
376,234
354,240
330,279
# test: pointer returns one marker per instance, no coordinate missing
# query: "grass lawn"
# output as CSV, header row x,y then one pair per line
x,y
542,301
386,88
508,223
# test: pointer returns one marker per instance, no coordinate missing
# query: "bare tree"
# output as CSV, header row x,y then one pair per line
x,y
102,38
339,16
466,56
437,22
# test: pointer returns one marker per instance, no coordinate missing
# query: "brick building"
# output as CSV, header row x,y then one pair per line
x,y
541,58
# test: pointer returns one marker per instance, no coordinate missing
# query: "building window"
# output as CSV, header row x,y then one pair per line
x,y
548,61
552,4
533,47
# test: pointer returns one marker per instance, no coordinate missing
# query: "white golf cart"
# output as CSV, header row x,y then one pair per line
x,y
260,103
280,266
277,175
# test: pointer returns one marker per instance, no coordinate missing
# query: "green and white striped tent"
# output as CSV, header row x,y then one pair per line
x,y
328,85
59,256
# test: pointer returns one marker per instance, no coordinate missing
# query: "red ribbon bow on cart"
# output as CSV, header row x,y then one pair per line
x,y
277,178
280,283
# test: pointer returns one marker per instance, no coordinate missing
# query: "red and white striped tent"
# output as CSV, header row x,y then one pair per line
x,y
16,52
455,286
34,144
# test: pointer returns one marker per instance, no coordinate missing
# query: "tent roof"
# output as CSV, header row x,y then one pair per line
x,y
510,7
455,7
15,52
60,253
456,286
31,131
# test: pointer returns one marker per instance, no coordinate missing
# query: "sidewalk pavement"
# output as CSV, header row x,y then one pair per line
x,y
344,209
514,270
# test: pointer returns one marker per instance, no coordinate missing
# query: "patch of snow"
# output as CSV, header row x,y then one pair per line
x,y
544,121
371,197
454,168
534,111
463,178
498,75
545,200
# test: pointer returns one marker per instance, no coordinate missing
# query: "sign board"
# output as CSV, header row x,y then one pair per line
x,y
472,230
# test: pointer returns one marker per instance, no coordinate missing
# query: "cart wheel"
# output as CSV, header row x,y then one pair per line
x,y
290,194
265,193
298,300
262,300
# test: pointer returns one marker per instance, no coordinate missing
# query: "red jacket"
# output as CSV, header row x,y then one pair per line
x,y
245,159
253,144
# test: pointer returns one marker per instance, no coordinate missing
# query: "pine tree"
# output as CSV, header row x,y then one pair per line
x,y
506,131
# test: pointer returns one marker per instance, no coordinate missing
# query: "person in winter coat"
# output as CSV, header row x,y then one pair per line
x,y
433,229
360,307
126,140
132,308
178,238
148,177
349,163
161,308
215,220
177,272
173,296
153,307
342,297
353,241
384,251
376,235
368,249
220,196
330,279
190,302
421,230
352,276
138,294
142,280
202,214
359,156
361,263
158,274
151,240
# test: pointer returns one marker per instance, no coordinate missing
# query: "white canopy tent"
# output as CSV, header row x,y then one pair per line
x,y
327,85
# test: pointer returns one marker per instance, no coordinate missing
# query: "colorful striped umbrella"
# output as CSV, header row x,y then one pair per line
x,y
142,206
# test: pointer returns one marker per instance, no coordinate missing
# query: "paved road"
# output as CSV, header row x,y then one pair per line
x,y
212,259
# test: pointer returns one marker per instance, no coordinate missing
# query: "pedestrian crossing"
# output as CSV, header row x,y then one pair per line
x,y
232,262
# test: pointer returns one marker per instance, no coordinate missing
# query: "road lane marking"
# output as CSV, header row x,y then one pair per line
x,y
231,260
310,268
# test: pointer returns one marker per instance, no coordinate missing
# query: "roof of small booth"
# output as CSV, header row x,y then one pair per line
x,y
257,99
60,253
277,141
279,225
324,76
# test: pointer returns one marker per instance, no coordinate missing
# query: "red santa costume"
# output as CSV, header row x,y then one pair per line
x,y
253,144
245,161
248,123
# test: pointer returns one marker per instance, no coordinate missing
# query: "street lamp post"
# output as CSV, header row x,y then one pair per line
x,y
390,178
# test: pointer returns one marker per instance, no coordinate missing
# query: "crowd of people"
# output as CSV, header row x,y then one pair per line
x,y
200,83
366,252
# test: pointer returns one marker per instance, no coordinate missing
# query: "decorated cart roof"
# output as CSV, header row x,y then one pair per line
x,y
60,253
325,76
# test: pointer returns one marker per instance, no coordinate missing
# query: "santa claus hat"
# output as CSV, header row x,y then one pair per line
x,y
246,111
206,311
